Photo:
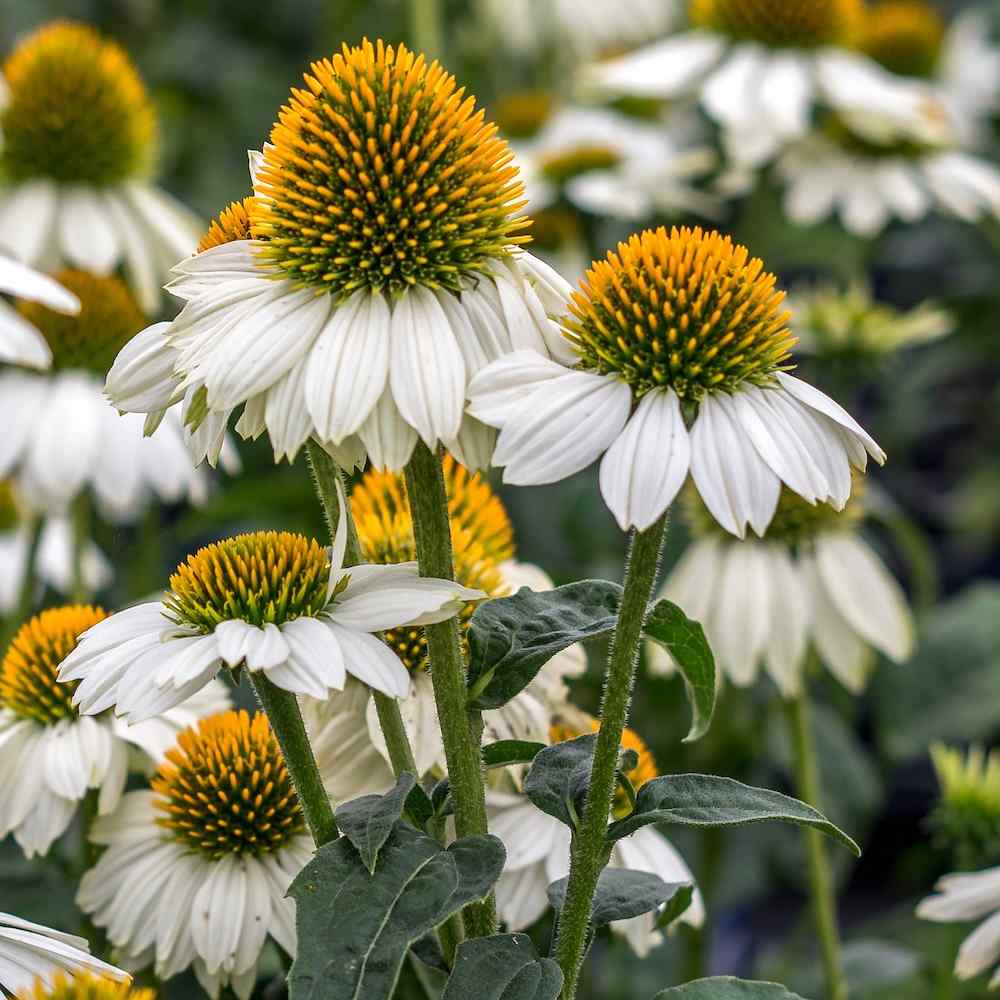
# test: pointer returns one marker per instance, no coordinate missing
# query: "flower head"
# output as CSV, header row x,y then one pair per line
x,y
905,36
966,820
85,987
671,330
231,224
793,23
76,111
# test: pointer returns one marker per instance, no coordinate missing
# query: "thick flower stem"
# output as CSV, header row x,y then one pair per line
x,y
286,720
821,889
427,28
461,730
326,473
590,850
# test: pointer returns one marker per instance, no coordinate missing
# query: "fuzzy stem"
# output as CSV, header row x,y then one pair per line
x,y
461,730
325,473
821,889
590,849
427,28
286,720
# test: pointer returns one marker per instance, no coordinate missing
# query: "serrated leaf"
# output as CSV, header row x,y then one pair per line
x,y
505,752
368,821
620,895
708,800
685,640
559,776
676,906
355,927
512,638
502,967
727,988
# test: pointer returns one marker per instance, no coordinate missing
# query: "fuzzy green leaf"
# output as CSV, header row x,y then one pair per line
x,y
368,821
727,988
505,752
502,967
621,894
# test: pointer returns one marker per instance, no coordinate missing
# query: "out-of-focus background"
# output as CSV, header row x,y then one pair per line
x,y
219,70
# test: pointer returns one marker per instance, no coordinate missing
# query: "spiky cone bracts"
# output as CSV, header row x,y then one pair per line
x,y
30,952
210,850
484,551
811,583
52,756
79,145
85,987
64,438
384,270
682,354
20,342
759,70
269,601
538,847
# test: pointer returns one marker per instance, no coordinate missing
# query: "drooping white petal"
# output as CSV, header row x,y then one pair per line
x,y
372,661
743,612
387,437
316,656
788,635
142,377
498,391
87,235
24,282
644,469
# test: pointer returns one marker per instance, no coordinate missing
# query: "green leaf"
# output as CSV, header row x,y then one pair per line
x,y
676,906
368,821
559,776
428,950
727,988
505,752
621,894
512,638
502,967
708,800
685,640
355,927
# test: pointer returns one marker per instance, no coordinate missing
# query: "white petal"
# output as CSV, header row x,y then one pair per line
x,y
315,650
266,648
371,661
387,437
86,233
142,378
498,392
26,283
789,629
744,599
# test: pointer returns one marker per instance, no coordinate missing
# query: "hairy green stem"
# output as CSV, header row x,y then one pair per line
x,y
326,474
427,27
590,851
461,730
286,720
821,888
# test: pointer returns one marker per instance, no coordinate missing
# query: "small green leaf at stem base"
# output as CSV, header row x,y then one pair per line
x,y
502,967
709,800
727,988
621,895
368,821
503,753
512,638
685,641
356,927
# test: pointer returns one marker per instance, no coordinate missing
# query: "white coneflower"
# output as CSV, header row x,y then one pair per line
x,y
483,545
195,871
271,601
51,755
674,330
54,557
29,952
383,272
61,435
538,847
20,342
810,582
79,141
958,58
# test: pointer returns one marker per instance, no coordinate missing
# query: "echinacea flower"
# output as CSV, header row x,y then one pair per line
x,y
85,987
29,951
681,349
78,146
20,342
51,756
811,582
483,544
62,437
538,847
270,601
383,271
195,871
759,68
966,896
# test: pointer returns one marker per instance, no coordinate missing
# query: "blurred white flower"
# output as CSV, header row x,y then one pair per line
x,y
79,140
671,321
51,756
759,75
179,886
969,896
867,186
29,951
20,342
